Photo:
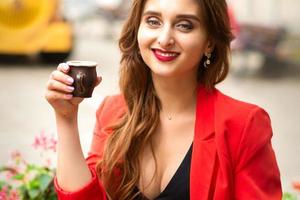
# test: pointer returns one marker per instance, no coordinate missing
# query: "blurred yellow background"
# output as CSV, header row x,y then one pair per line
x,y
265,66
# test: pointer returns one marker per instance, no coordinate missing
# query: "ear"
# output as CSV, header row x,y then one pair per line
x,y
209,46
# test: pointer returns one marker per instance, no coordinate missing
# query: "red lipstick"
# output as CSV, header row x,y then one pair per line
x,y
165,56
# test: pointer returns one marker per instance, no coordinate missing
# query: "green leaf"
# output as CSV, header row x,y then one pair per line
x,y
2,183
22,189
18,176
288,196
33,184
44,181
31,168
33,193
52,197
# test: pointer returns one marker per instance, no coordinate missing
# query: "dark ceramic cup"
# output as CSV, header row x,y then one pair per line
x,y
85,77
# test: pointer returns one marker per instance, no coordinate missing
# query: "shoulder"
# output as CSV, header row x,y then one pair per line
x,y
232,106
239,112
111,108
244,125
233,109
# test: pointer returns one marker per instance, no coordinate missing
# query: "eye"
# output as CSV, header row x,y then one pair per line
x,y
153,22
185,26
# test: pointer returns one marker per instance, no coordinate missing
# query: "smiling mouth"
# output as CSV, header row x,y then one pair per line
x,y
165,56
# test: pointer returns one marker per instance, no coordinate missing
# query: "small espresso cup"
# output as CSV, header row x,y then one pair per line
x,y
85,77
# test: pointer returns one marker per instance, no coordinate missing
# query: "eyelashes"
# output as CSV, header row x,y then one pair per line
x,y
183,25
153,21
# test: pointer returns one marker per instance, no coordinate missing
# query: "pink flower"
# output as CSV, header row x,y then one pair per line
x,y
16,155
52,144
17,159
3,196
45,142
9,195
14,195
40,141
3,193
10,174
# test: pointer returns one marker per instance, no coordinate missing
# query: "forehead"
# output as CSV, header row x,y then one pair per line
x,y
173,6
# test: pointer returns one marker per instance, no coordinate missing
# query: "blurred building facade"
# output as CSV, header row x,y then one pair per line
x,y
283,13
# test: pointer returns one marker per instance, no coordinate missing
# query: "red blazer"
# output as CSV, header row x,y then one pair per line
x,y
232,156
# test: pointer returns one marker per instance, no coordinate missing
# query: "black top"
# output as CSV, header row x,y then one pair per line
x,y
179,186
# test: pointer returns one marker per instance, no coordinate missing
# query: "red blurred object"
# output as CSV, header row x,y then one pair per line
x,y
235,27
296,185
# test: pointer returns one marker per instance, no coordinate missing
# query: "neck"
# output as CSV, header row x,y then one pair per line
x,y
176,95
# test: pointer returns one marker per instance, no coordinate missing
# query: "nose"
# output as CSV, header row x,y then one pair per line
x,y
165,38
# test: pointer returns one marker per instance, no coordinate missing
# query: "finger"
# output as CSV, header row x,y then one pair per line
x,y
63,67
52,96
61,77
99,80
59,86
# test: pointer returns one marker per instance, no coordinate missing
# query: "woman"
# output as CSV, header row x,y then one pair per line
x,y
169,134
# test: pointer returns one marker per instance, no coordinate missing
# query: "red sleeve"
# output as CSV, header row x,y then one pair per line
x,y
257,175
94,190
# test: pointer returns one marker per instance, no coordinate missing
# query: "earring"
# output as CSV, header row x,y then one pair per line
x,y
207,62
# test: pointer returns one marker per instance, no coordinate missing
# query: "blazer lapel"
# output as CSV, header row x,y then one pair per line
x,y
204,148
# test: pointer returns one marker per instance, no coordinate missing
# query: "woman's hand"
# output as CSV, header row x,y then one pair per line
x,y
59,91
69,151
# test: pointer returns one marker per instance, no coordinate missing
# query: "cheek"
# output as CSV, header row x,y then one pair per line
x,y
195,45
143,42
140,38
145,38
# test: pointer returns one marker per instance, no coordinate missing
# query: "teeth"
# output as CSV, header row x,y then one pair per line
x,y
167,54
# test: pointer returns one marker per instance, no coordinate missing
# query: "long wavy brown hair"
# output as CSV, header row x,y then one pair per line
x,y
119,169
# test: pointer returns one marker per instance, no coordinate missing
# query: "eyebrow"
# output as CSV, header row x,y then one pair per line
x,y
185,16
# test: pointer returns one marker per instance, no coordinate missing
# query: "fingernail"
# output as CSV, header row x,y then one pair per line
x,y
65,67
70,80
70,88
